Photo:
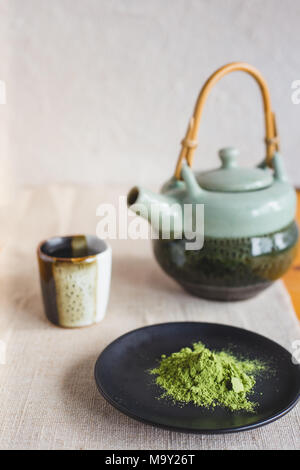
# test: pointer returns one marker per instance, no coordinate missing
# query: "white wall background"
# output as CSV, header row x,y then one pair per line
x,y
102,90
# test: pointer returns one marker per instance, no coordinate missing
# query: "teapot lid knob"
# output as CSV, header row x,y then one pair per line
x,y
229,157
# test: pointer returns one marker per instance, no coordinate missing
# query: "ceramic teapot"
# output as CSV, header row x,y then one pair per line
x,y
250,235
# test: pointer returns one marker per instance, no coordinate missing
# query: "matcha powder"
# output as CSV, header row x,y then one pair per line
x,y
207,378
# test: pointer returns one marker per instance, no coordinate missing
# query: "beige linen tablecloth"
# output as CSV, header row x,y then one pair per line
x,y
48,396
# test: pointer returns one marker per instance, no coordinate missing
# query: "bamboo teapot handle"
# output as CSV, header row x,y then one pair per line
x,y
189,143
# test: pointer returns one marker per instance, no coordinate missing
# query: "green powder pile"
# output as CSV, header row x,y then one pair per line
x,y
207,378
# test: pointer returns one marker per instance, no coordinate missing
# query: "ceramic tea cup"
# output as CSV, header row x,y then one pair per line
x,y
75,274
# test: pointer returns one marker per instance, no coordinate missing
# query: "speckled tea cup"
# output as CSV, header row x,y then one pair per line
x,y
75,274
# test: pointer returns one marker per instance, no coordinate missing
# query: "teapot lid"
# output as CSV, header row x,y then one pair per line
x,y
232,178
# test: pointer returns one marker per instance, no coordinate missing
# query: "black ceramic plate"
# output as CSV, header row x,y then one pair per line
x,y
122,378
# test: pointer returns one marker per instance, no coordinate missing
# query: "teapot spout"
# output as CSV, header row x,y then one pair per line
x,y
162,212
192,186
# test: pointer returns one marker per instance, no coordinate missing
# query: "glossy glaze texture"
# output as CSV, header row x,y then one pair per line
x,y
75,277
229,269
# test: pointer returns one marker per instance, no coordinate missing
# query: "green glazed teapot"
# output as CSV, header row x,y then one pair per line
x,y
249,235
